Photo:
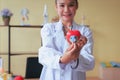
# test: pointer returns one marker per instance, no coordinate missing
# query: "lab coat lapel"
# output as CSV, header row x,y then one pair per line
x,y
60,38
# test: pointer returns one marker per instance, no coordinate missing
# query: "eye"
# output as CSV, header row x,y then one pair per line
x,y
71,5
61,5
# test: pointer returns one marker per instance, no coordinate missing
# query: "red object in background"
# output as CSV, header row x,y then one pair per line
x,y
18,78
75,33
1,70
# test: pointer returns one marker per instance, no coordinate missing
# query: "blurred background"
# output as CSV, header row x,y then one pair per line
x,y
102,16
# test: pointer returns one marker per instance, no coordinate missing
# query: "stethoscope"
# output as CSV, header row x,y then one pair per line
x,y
77,61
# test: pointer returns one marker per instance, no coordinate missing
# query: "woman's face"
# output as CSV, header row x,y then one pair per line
x,y
66,9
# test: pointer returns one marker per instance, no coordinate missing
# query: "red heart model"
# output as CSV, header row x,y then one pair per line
x,y
18,78
73,35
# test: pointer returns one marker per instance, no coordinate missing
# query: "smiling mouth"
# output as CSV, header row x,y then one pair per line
x,y
67,15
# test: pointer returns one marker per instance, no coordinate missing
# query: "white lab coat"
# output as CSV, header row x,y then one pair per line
x,y
54,45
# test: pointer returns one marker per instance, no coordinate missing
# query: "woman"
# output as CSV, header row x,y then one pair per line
x,y
62,60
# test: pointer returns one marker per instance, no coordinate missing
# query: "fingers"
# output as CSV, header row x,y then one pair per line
x,y
73,49
83,39
81,42
75,52
76,47
72,53
70,47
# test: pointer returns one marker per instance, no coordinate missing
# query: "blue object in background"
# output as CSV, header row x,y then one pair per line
x,y
115,64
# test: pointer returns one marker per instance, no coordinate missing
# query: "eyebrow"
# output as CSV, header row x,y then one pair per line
x,y
72,2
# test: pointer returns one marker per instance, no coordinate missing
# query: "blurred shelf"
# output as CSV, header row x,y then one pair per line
x,y
9,42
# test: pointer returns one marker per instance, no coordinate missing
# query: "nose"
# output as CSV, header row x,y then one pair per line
x,y
66,9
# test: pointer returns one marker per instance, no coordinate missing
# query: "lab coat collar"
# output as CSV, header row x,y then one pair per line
x,y
60,25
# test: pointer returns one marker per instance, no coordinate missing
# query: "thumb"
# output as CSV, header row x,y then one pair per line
x,y
70,47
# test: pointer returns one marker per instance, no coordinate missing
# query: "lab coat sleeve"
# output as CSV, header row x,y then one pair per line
x,y
86,58
48,55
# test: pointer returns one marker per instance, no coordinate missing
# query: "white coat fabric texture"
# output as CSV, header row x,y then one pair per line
x,y
54,45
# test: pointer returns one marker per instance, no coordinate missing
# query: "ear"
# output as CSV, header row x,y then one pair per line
x,y
56,7
77,6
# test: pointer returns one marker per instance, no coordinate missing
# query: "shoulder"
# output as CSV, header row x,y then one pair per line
x,y
48,28
85,29
80,27
49,25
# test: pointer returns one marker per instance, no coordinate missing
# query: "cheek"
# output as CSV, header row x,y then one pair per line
x,y
59,11
73,10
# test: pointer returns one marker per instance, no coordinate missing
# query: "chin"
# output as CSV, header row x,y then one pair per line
x,y
67,20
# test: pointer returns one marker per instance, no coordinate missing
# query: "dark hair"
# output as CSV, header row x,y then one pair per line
x,y
75,0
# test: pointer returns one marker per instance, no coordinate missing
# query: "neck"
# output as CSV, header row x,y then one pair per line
x,y
66,29
67,23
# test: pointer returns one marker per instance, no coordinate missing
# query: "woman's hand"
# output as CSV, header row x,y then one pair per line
x,y
81,42
72,53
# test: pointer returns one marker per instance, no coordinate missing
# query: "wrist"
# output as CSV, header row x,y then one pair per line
x,y
64,59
